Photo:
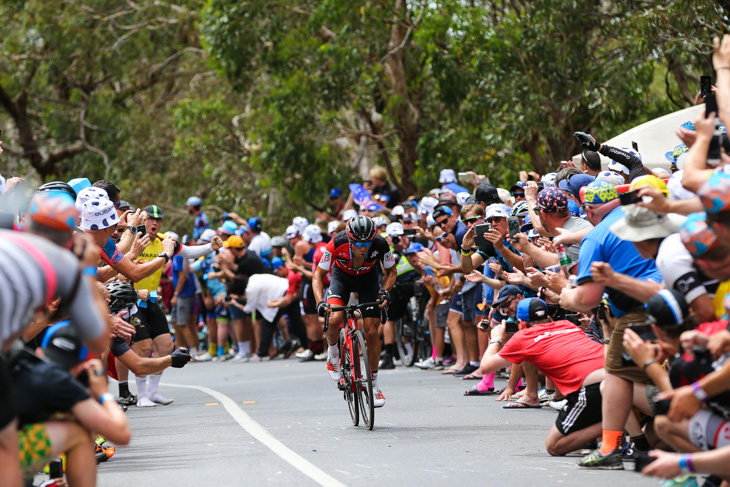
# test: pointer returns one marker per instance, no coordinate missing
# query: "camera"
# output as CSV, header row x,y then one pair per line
x,y
227,299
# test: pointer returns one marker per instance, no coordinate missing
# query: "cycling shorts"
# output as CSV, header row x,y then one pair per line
x,y
7,398
399,297
708,431
152,322
366,285
34,447
582,410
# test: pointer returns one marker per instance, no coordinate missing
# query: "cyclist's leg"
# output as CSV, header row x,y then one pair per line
x,y
162,346
373,342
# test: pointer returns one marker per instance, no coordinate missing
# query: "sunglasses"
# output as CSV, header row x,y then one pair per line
x,y
442,222
438,239
506,304
518,195
495,219
361,245
471,219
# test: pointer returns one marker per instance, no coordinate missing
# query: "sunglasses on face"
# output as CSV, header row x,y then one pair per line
x,y
495,219
442,222
471,219
440,238
506,304
361,245
518,195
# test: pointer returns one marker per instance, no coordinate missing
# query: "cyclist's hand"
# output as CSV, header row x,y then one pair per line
x,y
97,377
383,298
216,243
587,141
121,328
180,357
323,309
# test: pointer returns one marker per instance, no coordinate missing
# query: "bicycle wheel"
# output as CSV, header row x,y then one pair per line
x,y
364,379
348,384
405,340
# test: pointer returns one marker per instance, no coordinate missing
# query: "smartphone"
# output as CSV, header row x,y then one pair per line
x,y
142,230
635,146
511,327
483,325
410,231
514,226
714,157
705,85
55,468
464,177
479,231
629,198
644,330
573,318
710,105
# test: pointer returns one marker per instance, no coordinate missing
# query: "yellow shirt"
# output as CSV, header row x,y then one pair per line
x,y
151,283
719,300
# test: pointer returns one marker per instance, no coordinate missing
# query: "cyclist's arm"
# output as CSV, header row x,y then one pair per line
x,y
144,366
318,283
389,276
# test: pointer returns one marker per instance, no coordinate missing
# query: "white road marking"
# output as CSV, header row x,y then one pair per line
x,y
262,435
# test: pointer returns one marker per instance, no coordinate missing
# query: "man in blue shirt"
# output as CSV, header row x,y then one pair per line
x,y
201,224
601,245
447,178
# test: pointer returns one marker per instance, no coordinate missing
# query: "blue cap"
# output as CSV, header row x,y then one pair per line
x,y
79,183
575,182
276,262
507,292
229,228
413,248
574,209
335,192
255,224
532,309
193,201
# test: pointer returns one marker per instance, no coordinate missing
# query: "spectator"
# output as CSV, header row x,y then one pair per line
x,y
200,224
381,185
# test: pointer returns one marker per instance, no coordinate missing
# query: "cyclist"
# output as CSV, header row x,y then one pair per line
x,y
355,252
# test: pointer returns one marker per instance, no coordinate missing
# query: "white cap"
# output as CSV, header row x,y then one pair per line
x,y
380,220
430,221
347,214
300,223
427,205
394,229
618,167
207,235
548,180
676,190
172,235
497,210
398,210
90,193
312,234
332,226
447,176
291,232
98,214
504,195
462,197
610,177
661,172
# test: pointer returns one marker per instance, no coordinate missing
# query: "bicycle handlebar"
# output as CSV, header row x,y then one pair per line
x,y
353,308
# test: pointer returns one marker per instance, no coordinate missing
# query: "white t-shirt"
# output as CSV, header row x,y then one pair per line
x,y
675,264
260,289
261,244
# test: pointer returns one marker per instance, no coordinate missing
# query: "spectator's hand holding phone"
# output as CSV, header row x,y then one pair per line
x,y
684,403
639,350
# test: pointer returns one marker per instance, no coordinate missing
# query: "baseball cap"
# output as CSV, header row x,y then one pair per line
x,y
300,223
408,204
441,211
207,235
255,223
551,200
413,248
228,228
447,176
398,210
548,180
505,293
80,183
532,309
291,232
649,180
332,226
462,197
312,234
519,186
193,201
90,193
715,193
499,210
618,167
394,229
98,214
335,192
667,308
62,345
380,220
427,205
639,224
610,177
675,188
53,210
276,262
575,182
599,192
234,242
696,236
348,214
488,194
154,211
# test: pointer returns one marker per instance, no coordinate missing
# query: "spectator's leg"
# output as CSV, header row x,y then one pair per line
x,y
76,442
676,434
558,444
457,340
10,474
617,398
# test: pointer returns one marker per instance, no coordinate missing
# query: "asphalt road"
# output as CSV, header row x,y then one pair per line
x,y
284,422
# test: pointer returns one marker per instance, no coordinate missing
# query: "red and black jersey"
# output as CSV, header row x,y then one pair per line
x,y
338,251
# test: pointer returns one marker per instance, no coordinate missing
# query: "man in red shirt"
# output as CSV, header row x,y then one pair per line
x,y
569,358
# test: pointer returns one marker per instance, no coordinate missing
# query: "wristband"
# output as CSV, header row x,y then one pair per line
x,y
686,464
722,67
107,396
132,229
699,393
648,363
90,271
466,254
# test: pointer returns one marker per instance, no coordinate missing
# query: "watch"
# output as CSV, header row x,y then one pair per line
x,y
132,229
495,340
164,254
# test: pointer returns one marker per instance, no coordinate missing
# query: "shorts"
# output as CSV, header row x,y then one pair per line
x,y
708,431
237,313
399,297
366,285
455,305
183,310
468,304
582,410
34,447
309,304
222,313
7,398
651,391
480,302
614,365
442,314
151,322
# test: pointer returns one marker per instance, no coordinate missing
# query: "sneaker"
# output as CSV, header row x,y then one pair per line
x,y
320,357
220,358
687,480
290,346
333,367
205,357
378,398
426,364
304,354
599,461
386,363
439,365
397,362
129,400
558,405
256,358
158,398
232,352
545,395
241,358
629,453
145,402
468,369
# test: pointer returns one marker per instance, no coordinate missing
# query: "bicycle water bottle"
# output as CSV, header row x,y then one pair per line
x,y
564,260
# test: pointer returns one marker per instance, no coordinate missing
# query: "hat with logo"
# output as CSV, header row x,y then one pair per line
x,y
488,194
599,192
505,293
312,234
234,242
499,210
291,232
462,197
715,193
90,193
228,228
394,229
551,200
300,223
98,214
548,180
255,224
447,176
610,177
532,309
332,226
154,211
639,224
518,187
193,201
62,345
441,211
335,192
696,236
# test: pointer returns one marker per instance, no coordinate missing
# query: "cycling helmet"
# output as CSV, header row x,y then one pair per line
x,y
361,229
278,242
53,210
122,295
58,186
520,209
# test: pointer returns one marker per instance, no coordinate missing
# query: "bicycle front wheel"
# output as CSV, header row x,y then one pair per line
x,y
348,383
364,379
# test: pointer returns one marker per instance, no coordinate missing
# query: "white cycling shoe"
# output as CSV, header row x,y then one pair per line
x,y
378,398
333,368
